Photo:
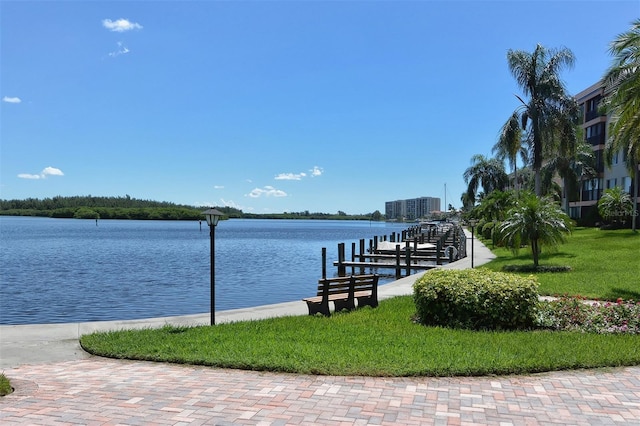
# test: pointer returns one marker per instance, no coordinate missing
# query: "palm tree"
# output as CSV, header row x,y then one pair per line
x,y
549,106
571,163
495,206
537,221
486,172
615,205
510,145
622,102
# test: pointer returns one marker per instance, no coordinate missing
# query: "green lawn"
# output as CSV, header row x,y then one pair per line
x,y
373,342
387,342
604,265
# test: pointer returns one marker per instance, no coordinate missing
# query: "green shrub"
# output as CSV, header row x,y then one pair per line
x,y
487,230
476,299
5,385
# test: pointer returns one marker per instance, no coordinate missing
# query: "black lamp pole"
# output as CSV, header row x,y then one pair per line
x,y
473,224
213,216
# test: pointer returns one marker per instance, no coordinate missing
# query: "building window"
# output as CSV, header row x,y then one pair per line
x,y
591,189
574,212
626,184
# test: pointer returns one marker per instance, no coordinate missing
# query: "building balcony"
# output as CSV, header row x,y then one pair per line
x,y
596,140
590,115
591,194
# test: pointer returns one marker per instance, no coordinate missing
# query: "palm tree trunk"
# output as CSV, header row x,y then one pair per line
x,y
566,196
534,250
537,153
538,182
634,215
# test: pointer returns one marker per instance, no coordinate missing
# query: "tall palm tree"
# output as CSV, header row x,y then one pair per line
x,y
486,172
537,221
622,102
510,145
537,74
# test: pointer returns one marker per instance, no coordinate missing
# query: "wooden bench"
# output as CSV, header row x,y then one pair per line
x,y
343,292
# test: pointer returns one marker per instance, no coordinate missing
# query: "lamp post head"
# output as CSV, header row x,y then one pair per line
x,y
473,222
213,216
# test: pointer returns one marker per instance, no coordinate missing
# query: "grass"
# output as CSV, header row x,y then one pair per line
x,y
5,386
370,342
605,265
386,341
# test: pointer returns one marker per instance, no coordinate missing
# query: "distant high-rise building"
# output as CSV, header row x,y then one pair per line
x,y
412,208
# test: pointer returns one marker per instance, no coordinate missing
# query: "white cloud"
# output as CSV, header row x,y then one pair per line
x,y
28,176
202,204
290,176
231,203
316,171
52,171
218,186
11,99
120,25
122,49
267,191
47,171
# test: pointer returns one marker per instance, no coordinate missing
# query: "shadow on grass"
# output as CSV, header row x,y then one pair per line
x,y
536,269
624,294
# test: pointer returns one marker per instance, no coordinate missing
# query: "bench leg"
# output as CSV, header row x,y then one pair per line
x,y
348,304
367,301
318,308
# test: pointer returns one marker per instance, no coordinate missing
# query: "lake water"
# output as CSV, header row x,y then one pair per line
x,y
70,270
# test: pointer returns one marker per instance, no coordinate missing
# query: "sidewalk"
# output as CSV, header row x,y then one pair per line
x,y
58,384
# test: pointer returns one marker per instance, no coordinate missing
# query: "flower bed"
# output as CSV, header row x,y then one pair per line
x,y
576,314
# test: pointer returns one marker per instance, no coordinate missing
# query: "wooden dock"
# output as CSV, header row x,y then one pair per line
x,y
415,249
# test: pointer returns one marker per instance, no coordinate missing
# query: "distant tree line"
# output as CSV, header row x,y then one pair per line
x,y
375,216
90,207
60,202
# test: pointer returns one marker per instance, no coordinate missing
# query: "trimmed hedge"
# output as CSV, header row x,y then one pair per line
x,y
476,299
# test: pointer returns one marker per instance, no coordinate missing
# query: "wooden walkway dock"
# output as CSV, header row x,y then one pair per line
x,y
415,249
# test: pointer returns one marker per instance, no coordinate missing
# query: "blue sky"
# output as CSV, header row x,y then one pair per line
x,y
272,106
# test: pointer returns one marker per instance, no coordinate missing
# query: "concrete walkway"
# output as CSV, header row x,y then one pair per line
x,y
57,383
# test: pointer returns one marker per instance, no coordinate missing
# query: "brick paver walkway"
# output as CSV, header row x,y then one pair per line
x,y
100,391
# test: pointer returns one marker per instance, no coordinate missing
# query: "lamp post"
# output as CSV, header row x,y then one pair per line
x,y
213,216
472,223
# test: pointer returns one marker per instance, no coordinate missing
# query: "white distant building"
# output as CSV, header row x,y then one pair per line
x,y
412,208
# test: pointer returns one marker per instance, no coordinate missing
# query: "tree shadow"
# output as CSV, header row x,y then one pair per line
x,y
623,293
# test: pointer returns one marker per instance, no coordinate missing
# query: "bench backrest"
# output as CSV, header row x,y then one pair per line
x,y
344,285
334,285
365,282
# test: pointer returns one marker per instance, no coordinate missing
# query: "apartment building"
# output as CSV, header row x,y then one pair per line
x,y
411,209
596,133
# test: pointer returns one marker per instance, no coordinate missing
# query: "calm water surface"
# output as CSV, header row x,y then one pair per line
x,y
68,270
